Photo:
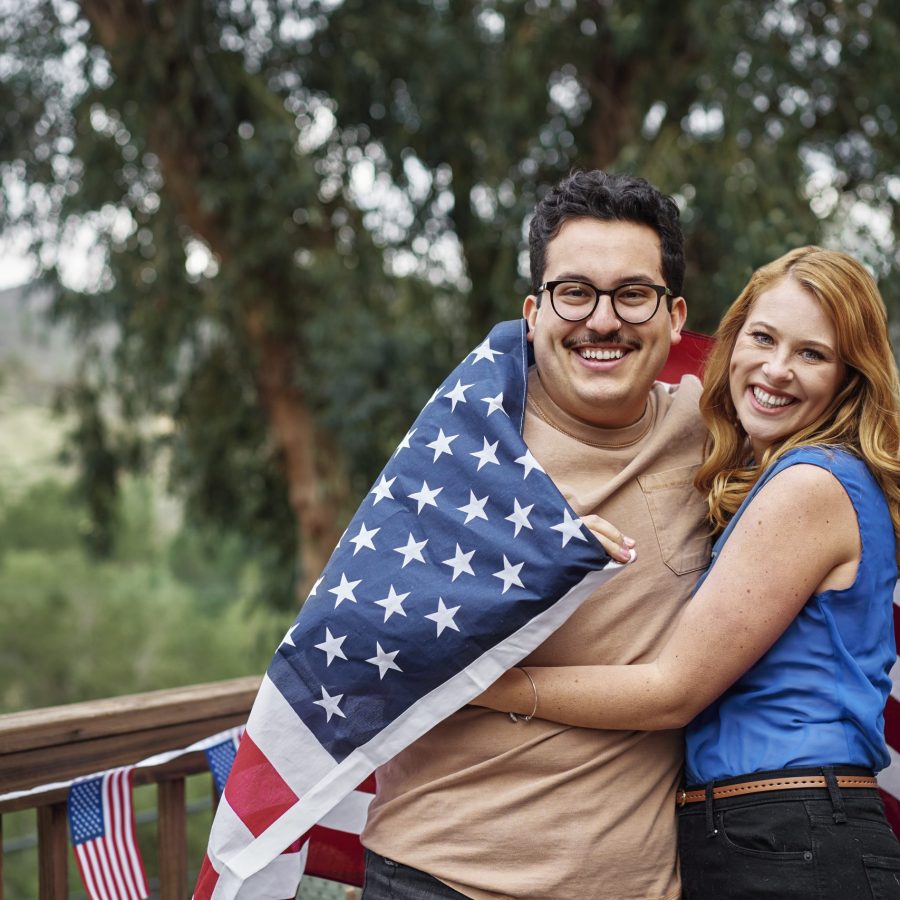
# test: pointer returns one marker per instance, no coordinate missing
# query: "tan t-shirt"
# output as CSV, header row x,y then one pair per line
x,y
497,809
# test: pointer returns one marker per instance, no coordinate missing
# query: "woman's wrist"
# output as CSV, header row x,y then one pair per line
x,y
514,692
516,715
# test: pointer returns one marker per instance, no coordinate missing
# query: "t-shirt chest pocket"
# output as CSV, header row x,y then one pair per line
x,y
678,512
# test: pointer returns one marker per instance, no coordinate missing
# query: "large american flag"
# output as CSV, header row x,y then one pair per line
x,y
461,560
101,822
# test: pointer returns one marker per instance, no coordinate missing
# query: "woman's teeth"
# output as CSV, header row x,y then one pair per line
x,y
766,399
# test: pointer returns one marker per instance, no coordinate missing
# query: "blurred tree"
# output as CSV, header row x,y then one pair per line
x,y
770,122
307,210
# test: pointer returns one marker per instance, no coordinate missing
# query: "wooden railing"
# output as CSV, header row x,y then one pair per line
x,y
59,743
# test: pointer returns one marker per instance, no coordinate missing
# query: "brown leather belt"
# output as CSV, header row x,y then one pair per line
x,y
788,783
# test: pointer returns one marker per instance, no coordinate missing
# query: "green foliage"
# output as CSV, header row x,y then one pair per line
x,y
351,180
158,612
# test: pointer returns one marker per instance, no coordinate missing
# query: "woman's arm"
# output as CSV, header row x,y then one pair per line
x,y
799,535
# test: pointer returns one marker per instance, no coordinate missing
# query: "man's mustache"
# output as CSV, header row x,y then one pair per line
x,y
594,337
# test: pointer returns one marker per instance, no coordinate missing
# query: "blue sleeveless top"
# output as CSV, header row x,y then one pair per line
x,y
817,696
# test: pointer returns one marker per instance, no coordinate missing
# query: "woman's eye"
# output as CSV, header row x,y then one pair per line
x,y
811,354
761,337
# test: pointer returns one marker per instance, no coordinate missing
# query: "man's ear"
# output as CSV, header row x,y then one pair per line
x,y
677,318
530,311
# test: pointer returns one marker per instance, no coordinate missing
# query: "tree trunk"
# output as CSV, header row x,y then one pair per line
x,y
317,488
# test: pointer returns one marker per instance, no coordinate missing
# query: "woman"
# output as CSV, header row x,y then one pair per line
x,y
793,620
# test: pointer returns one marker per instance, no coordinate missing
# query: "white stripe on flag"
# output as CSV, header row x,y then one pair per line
x,y
895,679
350,814
889,778
290,747
229,835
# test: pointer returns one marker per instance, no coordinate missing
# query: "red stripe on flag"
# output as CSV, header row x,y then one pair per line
x,y
897,625
368,786
206,880
892,722
336,855
686,357
255,791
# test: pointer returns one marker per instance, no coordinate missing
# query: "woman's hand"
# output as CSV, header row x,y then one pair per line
x,y
616,544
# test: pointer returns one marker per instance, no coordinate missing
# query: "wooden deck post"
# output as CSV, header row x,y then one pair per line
x,y
53,848
172,831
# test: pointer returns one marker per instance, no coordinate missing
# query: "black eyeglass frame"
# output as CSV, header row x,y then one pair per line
x,y
660,289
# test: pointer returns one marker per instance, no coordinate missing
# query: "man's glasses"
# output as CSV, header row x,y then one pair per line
x,y
575,301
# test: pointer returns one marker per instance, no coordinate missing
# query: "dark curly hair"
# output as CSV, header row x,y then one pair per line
x,y
599,195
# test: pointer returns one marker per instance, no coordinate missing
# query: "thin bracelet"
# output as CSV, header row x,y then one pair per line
x,y
530,715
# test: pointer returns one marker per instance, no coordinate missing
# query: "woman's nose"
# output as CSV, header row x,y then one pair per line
x,y
777,369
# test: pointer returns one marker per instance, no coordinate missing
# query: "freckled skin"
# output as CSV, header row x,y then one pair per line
x,y
785,348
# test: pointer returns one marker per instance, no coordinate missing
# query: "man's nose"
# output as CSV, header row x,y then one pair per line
x,y
604,318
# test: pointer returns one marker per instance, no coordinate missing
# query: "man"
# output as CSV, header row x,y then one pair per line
x,y
485,807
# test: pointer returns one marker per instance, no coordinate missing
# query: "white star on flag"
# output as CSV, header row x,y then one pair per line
x,y
509,575
364,538
487,454
519,516
288,637
569,528
330,704
344,591
443,617
382,490
384,660
315,587
529,463
457,395
441,444
404,444
425,496
460,563
484,351
393,603
495,404
331,646
412,550
474,509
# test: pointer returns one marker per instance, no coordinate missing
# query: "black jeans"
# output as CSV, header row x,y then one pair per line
x,y
802,844
389,880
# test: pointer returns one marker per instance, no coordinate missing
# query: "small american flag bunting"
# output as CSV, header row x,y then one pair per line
x,y
101,823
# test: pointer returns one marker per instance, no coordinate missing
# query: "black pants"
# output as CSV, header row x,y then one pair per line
x,y
389,880
814,844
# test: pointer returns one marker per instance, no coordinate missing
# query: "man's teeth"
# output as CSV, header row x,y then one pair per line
x,y
766,399
602,354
